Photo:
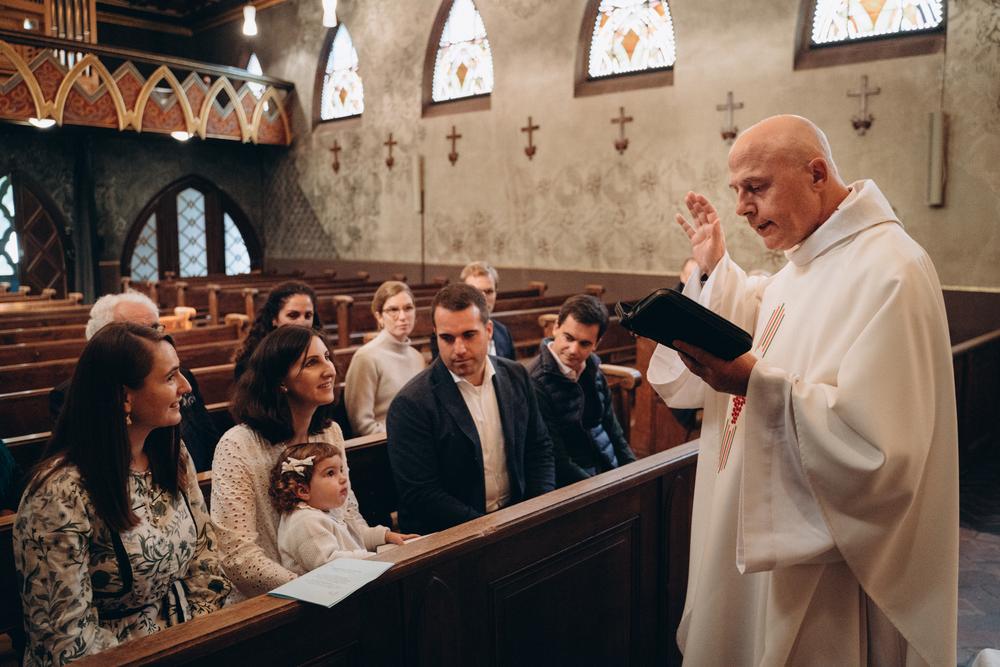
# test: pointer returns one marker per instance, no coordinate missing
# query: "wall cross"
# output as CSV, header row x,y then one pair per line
x,y
530,149
454,136
863,120
621,143
335,149
389,161
730,131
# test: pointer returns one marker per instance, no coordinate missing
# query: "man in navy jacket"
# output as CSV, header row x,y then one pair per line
x,y
465,435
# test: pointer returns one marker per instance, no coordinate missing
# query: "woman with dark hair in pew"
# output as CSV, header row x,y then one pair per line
x,y
112,539
284,397
292,302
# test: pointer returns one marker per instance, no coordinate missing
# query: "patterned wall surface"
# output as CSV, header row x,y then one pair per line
x,y
578,204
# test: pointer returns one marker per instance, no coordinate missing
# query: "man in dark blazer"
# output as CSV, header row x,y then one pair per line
x,y
485,278
465,435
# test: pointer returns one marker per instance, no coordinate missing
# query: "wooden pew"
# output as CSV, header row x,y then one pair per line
x,y
26,304
977,384
594,573
31,334
354,316
371,479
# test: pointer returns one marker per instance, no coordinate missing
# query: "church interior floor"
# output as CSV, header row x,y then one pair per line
x,y
979,554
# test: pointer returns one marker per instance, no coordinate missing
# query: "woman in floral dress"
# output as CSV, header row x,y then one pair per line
x,y
112,539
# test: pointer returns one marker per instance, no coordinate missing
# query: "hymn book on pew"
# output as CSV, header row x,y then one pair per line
x,y
667,315
329,584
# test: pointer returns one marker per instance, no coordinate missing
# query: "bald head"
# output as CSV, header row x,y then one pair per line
x,y
785,179
791,139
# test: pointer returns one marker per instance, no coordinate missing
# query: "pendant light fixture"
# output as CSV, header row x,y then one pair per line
x,y
249,20
329,13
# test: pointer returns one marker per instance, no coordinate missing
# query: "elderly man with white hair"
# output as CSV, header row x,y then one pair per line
x,y
197,428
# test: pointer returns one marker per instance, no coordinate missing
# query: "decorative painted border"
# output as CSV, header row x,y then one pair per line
x,y
254,121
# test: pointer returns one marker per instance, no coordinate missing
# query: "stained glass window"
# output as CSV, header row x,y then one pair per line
x,y
631,36
191,242
253,66
848,20
237,255
464,63
9,255
343,94
145,262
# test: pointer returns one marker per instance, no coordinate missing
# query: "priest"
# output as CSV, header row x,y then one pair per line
x,y
825,525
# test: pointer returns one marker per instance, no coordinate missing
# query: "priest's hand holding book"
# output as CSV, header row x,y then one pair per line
x,y
731,377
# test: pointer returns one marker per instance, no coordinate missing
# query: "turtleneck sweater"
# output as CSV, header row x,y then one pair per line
x,y
377,372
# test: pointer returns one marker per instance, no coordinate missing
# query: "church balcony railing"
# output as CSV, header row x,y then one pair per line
x,y
130,90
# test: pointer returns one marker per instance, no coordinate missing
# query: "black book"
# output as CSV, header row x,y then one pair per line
x,y
667,315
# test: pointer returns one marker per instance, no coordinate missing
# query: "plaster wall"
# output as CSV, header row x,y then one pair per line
x,y
578,205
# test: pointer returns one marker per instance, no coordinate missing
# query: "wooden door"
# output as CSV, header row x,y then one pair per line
x,y
43,260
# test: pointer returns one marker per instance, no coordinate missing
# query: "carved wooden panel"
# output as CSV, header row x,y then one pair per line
x,y
43,261
595,583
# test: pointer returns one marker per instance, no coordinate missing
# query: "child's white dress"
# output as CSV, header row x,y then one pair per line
x,y
308,538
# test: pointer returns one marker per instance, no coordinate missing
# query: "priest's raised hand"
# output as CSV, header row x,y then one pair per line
x,y
708,241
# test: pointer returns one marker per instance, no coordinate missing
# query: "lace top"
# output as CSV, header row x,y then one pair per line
x,y
246,521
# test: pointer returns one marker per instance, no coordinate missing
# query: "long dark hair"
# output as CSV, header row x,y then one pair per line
x,y
258,400
91,434
263,323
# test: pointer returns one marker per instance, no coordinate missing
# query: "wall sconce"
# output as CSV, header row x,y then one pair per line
x,y
249,20
329,13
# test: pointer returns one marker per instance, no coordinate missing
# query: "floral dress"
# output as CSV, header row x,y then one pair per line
x,y
86,588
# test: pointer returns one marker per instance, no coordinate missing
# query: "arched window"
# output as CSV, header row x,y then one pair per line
x,y
190,229
253,66
341,93
31,241
459,64
624,45
9,255
835,32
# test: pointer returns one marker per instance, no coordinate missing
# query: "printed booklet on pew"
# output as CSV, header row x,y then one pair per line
x,y
329,584
667,315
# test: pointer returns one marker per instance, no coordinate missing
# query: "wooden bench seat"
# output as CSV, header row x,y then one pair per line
x,y
594,573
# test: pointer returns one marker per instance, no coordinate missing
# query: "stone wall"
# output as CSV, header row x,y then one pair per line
x,y
578,204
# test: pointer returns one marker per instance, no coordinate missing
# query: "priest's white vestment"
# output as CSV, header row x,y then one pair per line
x,y
826,504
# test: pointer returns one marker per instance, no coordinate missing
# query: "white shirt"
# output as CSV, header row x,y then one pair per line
x,y
563,368
485,411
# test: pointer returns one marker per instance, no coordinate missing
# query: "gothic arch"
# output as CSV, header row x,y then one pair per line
x,y
430,107
164,206
584,84
897,45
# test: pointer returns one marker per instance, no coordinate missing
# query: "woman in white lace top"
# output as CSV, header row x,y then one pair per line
x,y
284,397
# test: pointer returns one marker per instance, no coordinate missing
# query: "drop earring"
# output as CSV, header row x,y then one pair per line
x,y
128,419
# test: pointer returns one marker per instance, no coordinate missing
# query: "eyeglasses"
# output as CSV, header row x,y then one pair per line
x,y
160,328
395,312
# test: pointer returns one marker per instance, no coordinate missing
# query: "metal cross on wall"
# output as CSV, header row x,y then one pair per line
x,y
389,161
335,149
730,131
529,150
453,155
621,143
863,120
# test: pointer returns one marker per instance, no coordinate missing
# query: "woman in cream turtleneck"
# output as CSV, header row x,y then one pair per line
x,y
382,366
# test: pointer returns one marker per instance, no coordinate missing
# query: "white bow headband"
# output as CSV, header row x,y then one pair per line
x,y
298,466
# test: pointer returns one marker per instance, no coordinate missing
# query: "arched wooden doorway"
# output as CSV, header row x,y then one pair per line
x,y
31,237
